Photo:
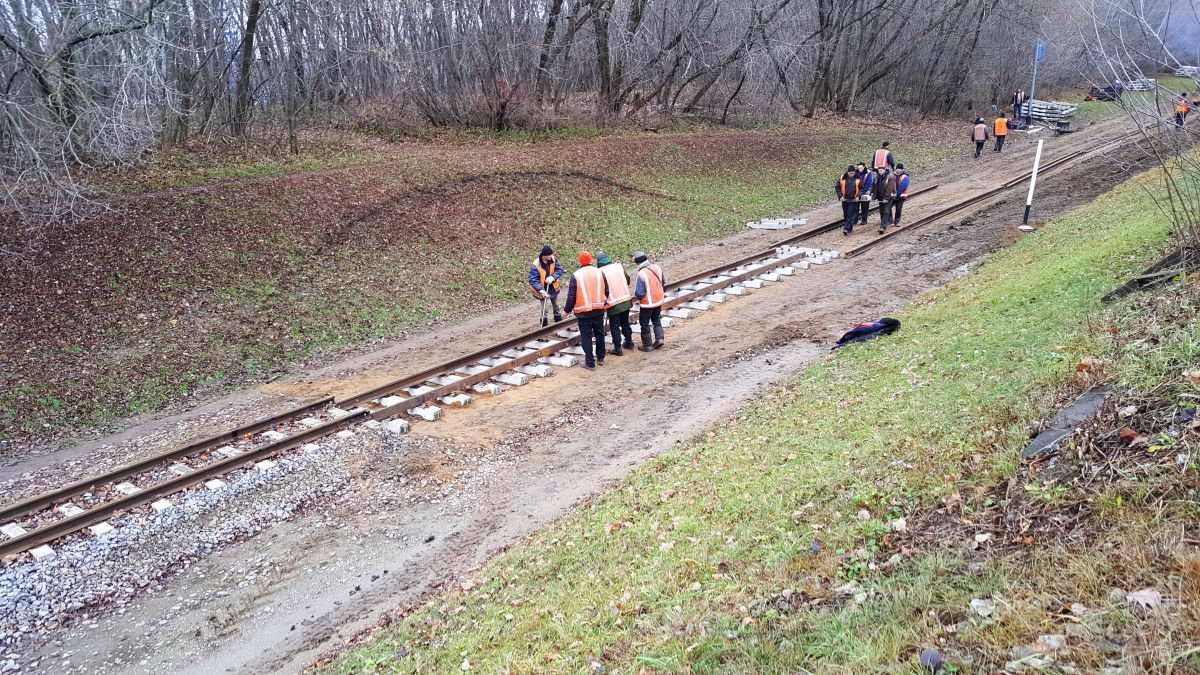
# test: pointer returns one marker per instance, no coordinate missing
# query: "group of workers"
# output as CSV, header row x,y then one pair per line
x,y
885,182
602,291
980,133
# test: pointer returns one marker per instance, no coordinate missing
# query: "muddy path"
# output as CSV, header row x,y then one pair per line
x,y
505,466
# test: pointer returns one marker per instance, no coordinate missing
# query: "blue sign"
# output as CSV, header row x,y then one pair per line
x,y
1039,52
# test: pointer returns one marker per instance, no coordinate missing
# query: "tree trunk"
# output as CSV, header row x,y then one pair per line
x,y
245,58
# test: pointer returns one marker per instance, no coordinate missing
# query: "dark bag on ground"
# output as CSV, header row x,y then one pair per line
x,y
865,331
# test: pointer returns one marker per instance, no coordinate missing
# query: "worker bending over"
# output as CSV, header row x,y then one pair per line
x,y
587,298
650,291
620,302
544,273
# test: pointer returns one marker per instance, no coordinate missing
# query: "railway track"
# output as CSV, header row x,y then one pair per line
x,y
31,524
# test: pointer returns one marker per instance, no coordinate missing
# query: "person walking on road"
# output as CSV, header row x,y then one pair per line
x,y
1181,110
902,181
885,194
544,273
883,157
587,298
847,189
650,291
1000,131
620,302
979,135
865,180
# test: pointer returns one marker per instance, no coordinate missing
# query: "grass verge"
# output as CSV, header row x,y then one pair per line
x,y
771,544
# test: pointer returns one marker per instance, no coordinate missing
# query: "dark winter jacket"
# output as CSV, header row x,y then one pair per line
x,y
885,186
569,305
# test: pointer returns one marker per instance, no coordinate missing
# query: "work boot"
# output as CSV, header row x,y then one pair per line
x,y
658,337
557,318
646,345
629,342
617,351
588,366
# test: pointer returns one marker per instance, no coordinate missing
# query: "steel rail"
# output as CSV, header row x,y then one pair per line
x,y
413,401
552,335
1007,185
45,499
103,511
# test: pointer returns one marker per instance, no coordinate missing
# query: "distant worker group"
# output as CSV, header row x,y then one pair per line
x,y
601,291
886,183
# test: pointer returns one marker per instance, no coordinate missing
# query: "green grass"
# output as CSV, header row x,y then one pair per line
x,y
725,554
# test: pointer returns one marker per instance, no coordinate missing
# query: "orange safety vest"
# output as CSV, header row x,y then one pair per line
x,y
589,290
544,274
618,288
845,194
880,158
980,132
652,279
1000,128
1182,108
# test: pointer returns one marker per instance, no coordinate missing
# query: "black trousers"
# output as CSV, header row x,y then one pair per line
x,y
618,324
1000,143
864,209
591,330
885,213
898,206
979,147
849,215
648,318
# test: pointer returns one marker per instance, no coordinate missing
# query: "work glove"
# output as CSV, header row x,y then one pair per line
x,y
545,294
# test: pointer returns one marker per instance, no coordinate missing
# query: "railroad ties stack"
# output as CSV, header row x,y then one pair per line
x,y
520,365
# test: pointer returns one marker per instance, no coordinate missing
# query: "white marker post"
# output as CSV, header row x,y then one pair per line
x,y
1037,160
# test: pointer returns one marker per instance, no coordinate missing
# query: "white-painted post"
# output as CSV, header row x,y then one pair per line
x,y
1037,160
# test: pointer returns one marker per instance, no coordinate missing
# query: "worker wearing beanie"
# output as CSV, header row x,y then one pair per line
x,y
650,291
587,298
544,274
620,302
980,135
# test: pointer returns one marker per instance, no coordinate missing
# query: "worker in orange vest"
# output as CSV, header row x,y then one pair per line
x,y
544,273
979,135
883,157
650,291
1181,110
587,298
848,188
620,302
1000,131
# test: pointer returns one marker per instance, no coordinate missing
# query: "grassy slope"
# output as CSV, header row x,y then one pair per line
x,y
211,291
725,553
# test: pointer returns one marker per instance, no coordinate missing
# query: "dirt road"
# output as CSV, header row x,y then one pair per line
x,y
418,511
